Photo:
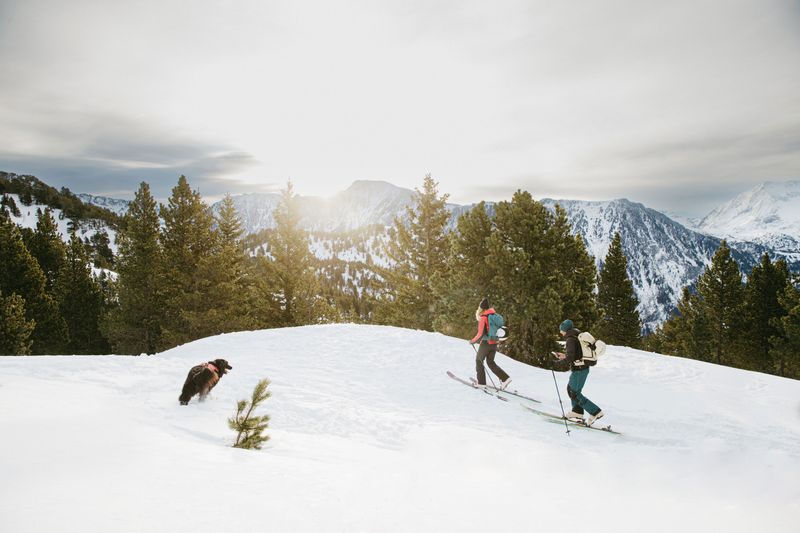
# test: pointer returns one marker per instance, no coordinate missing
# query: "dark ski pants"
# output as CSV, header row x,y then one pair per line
x,y
486,353
580,402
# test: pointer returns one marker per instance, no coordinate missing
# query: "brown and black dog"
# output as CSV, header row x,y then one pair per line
x,y
203,378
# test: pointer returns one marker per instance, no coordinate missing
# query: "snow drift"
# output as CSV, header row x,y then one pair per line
x,y
369,434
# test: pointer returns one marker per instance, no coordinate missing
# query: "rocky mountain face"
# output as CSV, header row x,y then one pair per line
x,y
663,255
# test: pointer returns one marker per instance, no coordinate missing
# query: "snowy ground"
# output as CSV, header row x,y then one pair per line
x,y
370,435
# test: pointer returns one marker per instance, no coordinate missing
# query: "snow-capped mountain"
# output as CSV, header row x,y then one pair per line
x,y
115,205
368,434
768,214
663,255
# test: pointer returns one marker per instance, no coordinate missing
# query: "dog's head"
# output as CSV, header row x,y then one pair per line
x,y
223,366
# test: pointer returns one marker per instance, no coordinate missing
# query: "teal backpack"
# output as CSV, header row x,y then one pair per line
x,y
497,329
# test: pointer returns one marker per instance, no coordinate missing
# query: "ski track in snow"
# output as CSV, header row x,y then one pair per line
x,y
369,434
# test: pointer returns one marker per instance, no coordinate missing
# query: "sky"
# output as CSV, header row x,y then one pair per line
x,y
679,105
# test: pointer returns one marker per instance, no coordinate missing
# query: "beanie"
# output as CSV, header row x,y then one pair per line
x,y
484,304
566,325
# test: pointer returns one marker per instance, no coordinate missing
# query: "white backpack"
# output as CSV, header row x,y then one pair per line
x,y
591,348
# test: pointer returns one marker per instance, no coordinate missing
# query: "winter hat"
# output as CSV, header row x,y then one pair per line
x,y
566,325
484,304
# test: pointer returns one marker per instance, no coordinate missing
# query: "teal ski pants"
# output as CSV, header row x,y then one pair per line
x,y
577,380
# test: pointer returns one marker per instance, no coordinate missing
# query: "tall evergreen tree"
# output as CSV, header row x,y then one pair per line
x,y
81,301
20,273
620,323
187,239
101,253
15,329
418,248
469,275
687,333
134,325
225,280
786,342
721,298
762,309
544,275
290,274
46,245
575,270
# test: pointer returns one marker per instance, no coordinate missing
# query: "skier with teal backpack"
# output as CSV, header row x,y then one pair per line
x,y
490,328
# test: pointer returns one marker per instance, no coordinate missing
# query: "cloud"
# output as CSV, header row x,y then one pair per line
x,y
669,104
106,178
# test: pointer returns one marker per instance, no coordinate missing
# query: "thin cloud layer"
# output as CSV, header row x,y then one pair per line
x,y
678,105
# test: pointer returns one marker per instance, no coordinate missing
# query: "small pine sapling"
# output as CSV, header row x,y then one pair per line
x,y
247,425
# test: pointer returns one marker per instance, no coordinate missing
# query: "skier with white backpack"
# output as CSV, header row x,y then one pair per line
x,y
489,322
582,351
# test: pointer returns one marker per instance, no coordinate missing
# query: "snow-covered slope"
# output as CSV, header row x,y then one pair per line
x,y
85,229
768,214
115,205
368,434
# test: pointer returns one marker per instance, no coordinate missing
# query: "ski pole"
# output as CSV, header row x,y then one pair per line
x,y
559,401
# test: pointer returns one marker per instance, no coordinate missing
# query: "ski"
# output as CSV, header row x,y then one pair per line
x,y
560,420
468,384
511,392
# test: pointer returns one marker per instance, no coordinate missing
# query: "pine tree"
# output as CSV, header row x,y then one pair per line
x,y
134,325
418,248
225,280
544,275
575,271
188,238
620,323
102,255
687,333
9,206
15,329
290,274
765,284
721,299
46,246
20,273
469,275
247,426
786,342
81,301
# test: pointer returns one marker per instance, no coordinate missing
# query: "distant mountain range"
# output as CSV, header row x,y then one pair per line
x,y
664,255
114,205
364,203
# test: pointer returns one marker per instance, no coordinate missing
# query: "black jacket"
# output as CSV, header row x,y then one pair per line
x,y
573,350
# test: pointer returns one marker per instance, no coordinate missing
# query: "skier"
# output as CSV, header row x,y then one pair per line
x,y
577,378
488,347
